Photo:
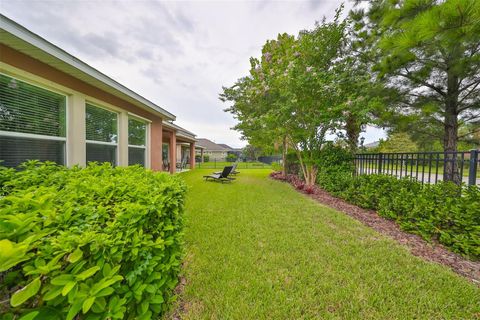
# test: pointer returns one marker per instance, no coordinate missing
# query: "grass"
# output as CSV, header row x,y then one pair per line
x,y
257,249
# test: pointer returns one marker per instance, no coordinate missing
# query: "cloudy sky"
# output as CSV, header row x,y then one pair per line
x,y
177,54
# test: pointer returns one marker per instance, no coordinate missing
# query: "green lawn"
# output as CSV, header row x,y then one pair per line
x,y
257,249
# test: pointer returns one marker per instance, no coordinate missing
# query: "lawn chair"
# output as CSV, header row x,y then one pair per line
x,y
234,172
183,164
222,177
166,165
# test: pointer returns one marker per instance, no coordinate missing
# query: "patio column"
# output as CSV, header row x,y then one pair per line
x,y
192,155
76,147
173,152
123,139
156,144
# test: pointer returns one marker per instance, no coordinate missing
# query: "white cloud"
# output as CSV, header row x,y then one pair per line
x,y
176,54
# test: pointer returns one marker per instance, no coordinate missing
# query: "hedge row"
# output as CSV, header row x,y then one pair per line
x,y
441,211
444,212
91,243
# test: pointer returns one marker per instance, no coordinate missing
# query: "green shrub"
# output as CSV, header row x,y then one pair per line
x,y
277,166
91,243
438,211
292,164
335,168
231,157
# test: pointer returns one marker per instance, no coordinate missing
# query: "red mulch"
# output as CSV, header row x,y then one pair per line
x,y
431,251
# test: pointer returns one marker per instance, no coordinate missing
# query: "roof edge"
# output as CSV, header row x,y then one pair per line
x,y
179,129
37,41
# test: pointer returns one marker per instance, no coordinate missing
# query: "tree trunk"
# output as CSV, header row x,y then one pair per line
x,y
309,171
302,165
311,175
451,132
352,129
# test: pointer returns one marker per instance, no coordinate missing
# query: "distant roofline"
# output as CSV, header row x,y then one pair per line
x,y
178,128
219,149
37,41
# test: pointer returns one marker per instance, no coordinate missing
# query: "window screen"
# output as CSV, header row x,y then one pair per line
x,y
15,150
32,123
101,153
101,134
137,136
136,156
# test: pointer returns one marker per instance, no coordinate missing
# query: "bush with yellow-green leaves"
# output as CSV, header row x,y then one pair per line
x,y
88,243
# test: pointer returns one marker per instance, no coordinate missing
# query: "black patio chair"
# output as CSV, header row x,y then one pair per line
x,y
234,171
182,165
166,165
221,177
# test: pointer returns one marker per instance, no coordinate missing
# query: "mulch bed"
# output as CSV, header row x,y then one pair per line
x,y
181,306
431,251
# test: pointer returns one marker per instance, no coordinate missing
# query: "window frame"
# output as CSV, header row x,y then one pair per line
x,y
35,136
116,144
145,147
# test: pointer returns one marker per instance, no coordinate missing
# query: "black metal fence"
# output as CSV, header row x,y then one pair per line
x,y
218,163
270,159
426,167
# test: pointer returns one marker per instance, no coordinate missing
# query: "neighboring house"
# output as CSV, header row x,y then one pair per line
x,y
235,151
214,151
55,107
226,146
371,145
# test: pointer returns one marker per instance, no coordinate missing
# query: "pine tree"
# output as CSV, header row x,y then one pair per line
x,y
429,51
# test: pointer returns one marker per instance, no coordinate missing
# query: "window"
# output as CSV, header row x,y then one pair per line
x,y
32,123
137,142
101,134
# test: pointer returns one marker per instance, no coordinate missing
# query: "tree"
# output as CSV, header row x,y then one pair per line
x,y
314,93
430,54
251,152
293,93
361,99
397,142
258,99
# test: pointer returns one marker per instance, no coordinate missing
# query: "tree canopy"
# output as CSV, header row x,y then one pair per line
x,y
412,66
428,51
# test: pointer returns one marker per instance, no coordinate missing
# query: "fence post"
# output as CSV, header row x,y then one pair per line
x,y
380,161
472,174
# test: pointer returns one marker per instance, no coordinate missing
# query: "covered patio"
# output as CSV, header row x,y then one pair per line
x,y
178,148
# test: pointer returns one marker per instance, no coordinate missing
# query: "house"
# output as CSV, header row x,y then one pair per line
x,y
371,145
236,151
214,151
226,146
56,107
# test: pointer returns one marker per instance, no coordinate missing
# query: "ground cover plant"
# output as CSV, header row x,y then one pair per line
x,y
444,211
258,249
91,243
